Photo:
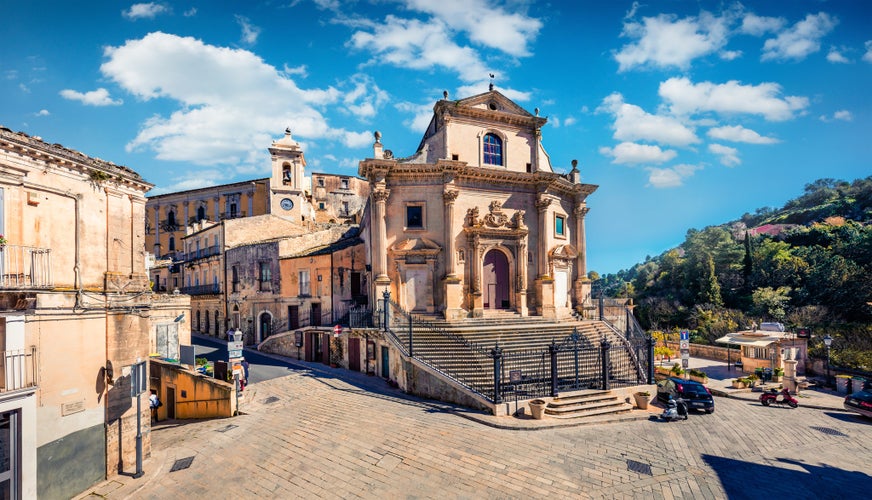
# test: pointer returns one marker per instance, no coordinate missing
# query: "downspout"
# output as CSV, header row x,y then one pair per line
x,y
332,302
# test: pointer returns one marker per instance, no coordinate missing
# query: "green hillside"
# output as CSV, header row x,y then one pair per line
x,y
807,264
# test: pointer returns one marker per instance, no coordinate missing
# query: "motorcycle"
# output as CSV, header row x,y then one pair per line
x,y
675,410
772,396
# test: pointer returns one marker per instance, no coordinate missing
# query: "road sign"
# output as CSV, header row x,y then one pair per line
x,y
337,330
685,355
684,345
684,363
234,353
234,345
685,335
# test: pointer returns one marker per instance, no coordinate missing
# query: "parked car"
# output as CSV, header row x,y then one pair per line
x,y
860,402
697,396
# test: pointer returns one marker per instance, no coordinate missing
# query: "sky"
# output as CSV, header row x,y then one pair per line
x,y
686,114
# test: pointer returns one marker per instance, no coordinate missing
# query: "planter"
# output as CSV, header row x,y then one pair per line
x,y
701,380
641,400
739,385
537,408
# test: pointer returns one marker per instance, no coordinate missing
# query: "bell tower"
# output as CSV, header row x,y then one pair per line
x,y
287,192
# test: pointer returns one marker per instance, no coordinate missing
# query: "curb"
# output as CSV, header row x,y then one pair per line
x,y
721,393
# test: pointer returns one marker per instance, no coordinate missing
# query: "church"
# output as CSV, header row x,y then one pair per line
x,y
477,222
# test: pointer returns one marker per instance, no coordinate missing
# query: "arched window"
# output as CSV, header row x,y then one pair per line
x,y
201,213
172,244
171,220
493,150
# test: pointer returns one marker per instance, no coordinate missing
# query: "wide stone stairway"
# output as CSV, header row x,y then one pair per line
x,y
462,351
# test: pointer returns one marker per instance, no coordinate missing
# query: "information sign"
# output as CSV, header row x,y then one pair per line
x,y
685,335
234,345
514,376
684,345
234,353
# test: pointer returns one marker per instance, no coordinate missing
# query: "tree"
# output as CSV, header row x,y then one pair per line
x,y
771,302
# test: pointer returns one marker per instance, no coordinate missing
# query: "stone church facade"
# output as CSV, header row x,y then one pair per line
x,y
477,220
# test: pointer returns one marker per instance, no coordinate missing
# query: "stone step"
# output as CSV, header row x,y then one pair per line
x,y
588,412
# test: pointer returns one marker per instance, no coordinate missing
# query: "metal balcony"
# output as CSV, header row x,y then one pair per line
x,y
24,267
201,289
17,369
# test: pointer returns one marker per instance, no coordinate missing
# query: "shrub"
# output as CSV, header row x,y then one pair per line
x,y
698,373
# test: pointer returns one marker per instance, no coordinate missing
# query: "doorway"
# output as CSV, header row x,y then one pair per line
x,y
265,325
354,354
495,280
385,362
171,402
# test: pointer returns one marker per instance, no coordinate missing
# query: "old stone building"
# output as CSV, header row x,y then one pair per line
x,y
338,198
76,314
477,220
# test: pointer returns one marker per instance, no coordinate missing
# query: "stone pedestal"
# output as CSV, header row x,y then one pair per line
x,y
790,376
454,299
546,297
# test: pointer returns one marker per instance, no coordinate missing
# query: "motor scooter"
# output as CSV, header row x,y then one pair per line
x,y
675,410
772,396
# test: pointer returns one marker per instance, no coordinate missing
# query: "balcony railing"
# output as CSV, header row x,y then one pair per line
x,y
25,267
232,215
18,370
202,253
201,289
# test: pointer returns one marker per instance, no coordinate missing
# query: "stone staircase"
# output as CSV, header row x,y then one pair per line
x,y
586,404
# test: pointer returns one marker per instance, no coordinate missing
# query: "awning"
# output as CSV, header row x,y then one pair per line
x,y
747,341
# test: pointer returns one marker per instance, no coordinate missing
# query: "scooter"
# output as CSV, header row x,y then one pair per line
x,y
675,410
772,396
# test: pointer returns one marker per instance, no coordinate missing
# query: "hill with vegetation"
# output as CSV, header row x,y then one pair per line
x,y
807,264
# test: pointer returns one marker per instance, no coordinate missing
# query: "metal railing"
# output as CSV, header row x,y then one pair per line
x,y
202,253
201,289
576,363
25,267
18,370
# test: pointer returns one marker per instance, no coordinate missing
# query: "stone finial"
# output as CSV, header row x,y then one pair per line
x,y
575,165
536,111
445,94
377,136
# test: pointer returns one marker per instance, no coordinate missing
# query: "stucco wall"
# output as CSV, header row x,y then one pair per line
x,y
67,466
197,396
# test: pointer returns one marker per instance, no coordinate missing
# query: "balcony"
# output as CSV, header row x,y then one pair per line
x,y
24,267
167,225
18,370
232,215
202,253
201,289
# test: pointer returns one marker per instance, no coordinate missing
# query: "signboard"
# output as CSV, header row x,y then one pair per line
x,y
138,379
234,353
684,363
234,345
684,345
685,335
514,376
337,330
803,333
685,354
298,339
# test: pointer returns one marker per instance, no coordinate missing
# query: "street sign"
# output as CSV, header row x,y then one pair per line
x,y
234,353
514,376
234,345
684,363
138,379
685,335
685,355
684,345
337,330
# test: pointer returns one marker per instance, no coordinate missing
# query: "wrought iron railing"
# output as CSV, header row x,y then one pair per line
x,y
201,289
18,370
25,267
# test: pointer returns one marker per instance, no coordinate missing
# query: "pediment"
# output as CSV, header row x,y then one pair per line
x,y
416,245
563,252
493,99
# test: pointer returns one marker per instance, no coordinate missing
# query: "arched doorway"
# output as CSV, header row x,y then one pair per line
x,y
265,325
495,280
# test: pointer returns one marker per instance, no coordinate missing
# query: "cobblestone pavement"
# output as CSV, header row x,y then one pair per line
x,y
322,437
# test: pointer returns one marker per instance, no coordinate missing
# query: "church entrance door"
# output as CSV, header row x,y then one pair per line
x,y
495,278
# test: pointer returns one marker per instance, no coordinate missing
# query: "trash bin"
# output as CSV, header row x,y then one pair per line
x,y
857,384
767,375
759,373
842,383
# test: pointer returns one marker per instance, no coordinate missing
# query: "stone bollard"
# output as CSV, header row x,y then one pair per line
x,y
790,376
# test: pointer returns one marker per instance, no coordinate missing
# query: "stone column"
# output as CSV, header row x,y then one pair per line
x,y
185,220
542,205
537,138
250,195
216,208
379,228
448,197
582,284
157,229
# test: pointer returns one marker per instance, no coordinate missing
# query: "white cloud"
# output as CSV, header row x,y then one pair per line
x,y
485,22
192,180
24,88
729,55
99,97
421,115
482,86
42,112
665,41
414,44
868,55
752,24
632,153
365,99
301,70
554,120
230,104
800,40
670,177
190,12
145,10
739,133
729,156
250,32
632,123
835,56
685,97
842,115
570,120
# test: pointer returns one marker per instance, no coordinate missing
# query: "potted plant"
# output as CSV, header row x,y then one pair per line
x,y
699,376
2,242
777,374
537,408
676,370
642,398
752,380
740,383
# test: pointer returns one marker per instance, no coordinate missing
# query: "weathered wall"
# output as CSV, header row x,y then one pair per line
x,y
69,465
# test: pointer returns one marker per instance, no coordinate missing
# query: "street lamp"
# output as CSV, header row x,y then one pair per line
x,y
828,341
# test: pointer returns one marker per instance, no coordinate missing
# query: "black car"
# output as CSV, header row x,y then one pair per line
x,y
860,402
696,395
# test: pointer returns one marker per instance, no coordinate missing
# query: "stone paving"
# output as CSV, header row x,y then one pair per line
x,y
335,434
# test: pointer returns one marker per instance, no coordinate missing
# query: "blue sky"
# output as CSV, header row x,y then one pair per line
x,y
685,113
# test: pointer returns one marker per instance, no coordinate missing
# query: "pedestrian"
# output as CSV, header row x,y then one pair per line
x,y
154,403
245,369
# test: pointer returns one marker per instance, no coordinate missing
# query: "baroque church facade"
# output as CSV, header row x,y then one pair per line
x,y
477,220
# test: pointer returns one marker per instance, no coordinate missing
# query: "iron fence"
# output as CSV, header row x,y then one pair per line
x,y
25,267
18,369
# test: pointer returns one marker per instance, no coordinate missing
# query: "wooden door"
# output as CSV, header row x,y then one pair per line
x,y
354,354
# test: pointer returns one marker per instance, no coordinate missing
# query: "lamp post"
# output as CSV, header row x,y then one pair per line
x,y
828,341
